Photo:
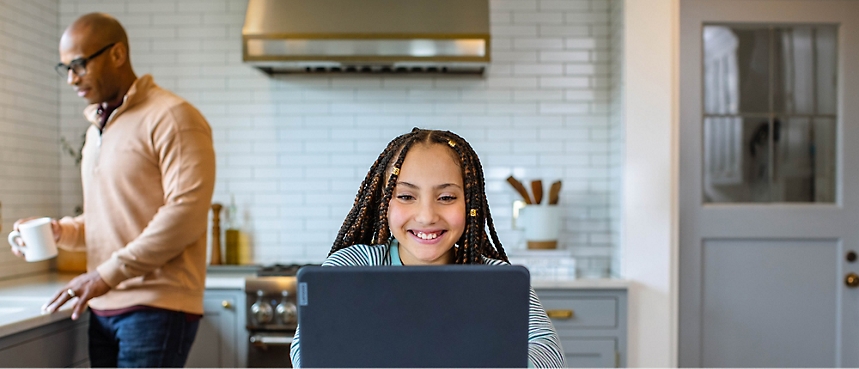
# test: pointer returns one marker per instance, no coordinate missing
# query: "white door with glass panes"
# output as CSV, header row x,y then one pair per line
x,y
769,183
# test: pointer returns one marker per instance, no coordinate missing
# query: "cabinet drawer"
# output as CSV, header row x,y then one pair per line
x,y
56,345
581,312
590,353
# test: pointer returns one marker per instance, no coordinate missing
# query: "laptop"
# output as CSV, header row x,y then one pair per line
x,y
414,316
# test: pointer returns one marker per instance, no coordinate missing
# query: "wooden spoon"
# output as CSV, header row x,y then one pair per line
x,y
520,189
554,192
537,190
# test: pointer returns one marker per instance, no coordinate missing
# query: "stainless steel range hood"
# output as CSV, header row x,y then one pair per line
x,y
343,36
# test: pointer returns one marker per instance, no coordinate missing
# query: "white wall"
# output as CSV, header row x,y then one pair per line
x,y
293,149
650,169
29,144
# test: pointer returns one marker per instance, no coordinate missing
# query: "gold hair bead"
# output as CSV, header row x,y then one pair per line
x,y
395,171
473,212
452,144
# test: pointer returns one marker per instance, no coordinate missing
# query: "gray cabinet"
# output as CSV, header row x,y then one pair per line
x,y
61,344
221,339
592,325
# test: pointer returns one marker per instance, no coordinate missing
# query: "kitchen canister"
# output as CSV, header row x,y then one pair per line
x,y
542,224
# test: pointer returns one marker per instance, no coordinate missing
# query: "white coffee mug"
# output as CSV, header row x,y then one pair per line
x,y
38,239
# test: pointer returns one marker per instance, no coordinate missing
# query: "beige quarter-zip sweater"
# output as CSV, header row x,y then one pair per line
x,y
148,179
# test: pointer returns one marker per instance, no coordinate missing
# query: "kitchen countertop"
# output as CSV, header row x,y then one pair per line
x,y
229,277
581,283
21,301
233,277
232,282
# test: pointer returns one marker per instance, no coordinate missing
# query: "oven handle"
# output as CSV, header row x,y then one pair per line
x,y
273,340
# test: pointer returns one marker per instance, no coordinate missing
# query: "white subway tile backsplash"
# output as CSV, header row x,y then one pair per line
x,y
30,152
500,17
516,5
407,82
585,95
543,69
293,149
533,43
541,121
599,17
303,108
516,108
563,31
564,108
366,94
201,6
514,56
513,30
538,18
564,5
533,147
144,6
585,69
229,18
564,56
565,82
357,108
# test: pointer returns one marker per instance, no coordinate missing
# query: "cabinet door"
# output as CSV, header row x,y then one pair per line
x,y
217,338
581,313
590,353
56,345
591,324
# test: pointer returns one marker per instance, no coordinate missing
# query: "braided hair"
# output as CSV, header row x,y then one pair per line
x,y
367,221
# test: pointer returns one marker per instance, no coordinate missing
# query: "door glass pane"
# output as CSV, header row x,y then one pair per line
x,y
736,69
736,159
804,68
793,80
826,69
804,173
770,102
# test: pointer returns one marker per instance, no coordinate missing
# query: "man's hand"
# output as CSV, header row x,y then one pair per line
x,y
84,287
55,227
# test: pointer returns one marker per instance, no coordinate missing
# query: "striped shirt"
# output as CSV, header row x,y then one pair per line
x,y
544,346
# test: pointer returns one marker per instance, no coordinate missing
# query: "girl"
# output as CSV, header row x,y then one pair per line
x,y
424,203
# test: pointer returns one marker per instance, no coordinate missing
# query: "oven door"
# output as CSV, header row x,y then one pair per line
x,y
269,349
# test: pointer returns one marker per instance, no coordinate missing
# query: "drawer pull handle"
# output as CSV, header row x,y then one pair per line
x,y
226,304
560,314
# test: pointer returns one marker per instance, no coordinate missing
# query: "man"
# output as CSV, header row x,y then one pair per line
x,y
148,173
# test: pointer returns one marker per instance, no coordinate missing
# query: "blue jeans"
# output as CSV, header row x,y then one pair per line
x,y
143,338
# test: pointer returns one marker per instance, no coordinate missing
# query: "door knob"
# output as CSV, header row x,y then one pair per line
x,y
852,280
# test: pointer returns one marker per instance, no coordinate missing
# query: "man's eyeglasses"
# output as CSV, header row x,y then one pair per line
x,y
78,66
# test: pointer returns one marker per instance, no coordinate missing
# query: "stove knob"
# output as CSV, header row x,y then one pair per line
x,y
286,310
261,310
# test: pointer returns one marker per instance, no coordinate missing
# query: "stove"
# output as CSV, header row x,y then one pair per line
x,y
272,315
281,270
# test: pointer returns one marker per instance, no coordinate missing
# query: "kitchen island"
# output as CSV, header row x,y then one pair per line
x,y
30,337
22,298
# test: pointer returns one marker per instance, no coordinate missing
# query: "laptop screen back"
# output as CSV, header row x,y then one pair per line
x,y
416,316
